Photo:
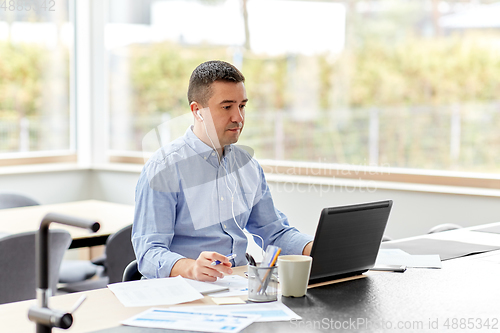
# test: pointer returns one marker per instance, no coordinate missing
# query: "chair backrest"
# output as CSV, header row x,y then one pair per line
x,y
17,264
13,200
119,253
444,227
131,272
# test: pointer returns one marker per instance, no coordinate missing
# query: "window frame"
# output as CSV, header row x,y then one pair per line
x,y
321,171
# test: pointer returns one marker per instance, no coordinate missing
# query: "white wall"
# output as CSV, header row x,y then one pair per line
x,y
49,187
413,212
114,186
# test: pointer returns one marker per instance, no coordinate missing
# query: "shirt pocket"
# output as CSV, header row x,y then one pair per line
x,y
243,204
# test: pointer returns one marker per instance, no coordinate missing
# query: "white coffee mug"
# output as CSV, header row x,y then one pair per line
x,y
293,273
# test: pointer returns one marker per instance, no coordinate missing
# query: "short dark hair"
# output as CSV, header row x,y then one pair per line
x,y
204,75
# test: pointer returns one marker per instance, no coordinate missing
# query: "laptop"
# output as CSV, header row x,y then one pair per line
x,y
347,240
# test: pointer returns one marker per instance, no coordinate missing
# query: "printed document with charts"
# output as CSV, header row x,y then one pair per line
x,y
165,291
191,320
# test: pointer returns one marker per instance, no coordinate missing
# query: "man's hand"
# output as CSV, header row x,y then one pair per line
x,y
201,269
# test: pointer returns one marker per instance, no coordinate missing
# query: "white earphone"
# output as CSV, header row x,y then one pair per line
x,y
199,115
233,192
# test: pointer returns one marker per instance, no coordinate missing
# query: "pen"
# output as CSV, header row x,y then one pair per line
x,y
263,287
250,259
229,256
390,268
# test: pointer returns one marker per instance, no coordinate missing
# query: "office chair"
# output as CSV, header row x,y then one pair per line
x,y
13,200
71,270
74,271
131,272
118,253
17,264
386,238
444,227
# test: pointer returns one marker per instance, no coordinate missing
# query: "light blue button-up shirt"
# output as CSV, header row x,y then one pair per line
x,y
187,202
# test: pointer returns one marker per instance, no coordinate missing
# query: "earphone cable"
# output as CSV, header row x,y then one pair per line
x,y
232,192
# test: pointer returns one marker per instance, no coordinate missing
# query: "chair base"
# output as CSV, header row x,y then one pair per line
x,y
67,288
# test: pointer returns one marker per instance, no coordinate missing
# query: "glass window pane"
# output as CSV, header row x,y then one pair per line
x,y
410,84
35,42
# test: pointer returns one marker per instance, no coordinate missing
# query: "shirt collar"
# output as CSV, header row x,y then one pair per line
x,y
202,149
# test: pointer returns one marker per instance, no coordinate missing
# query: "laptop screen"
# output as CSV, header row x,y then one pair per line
x,y
347,240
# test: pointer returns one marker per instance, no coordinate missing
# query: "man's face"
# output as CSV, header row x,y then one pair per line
x,y
227,108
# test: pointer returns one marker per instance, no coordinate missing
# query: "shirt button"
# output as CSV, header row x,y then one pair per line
x,y
213,154
225,226
205,157
222,198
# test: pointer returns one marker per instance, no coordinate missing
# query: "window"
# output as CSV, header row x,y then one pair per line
x,y
36,38
401,84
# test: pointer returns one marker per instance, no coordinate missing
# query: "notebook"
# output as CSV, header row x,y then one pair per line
x,y
347,240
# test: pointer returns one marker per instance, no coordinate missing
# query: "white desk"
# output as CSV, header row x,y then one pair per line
x,y
111,216
100,310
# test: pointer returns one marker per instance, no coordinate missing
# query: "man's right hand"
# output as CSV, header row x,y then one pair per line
x,y
201,269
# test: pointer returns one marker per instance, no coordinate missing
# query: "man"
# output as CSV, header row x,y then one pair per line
x,y
196,195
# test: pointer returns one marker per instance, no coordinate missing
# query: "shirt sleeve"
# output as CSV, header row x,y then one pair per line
x,y
272,225
154,220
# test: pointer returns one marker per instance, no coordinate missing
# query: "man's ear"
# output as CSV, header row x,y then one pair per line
x,y
195,106
195,110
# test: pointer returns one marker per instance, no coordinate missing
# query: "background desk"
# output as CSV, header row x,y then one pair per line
x,y
111,216
464,288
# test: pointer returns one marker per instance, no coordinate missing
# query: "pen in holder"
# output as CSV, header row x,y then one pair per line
x,y
262,284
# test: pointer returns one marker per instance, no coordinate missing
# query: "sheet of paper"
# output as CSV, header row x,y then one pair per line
x,y
274,311
187,320
447,249
493,257
166,291
237,285
206,287
241,292
400,257
469,236
492,229
228,300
